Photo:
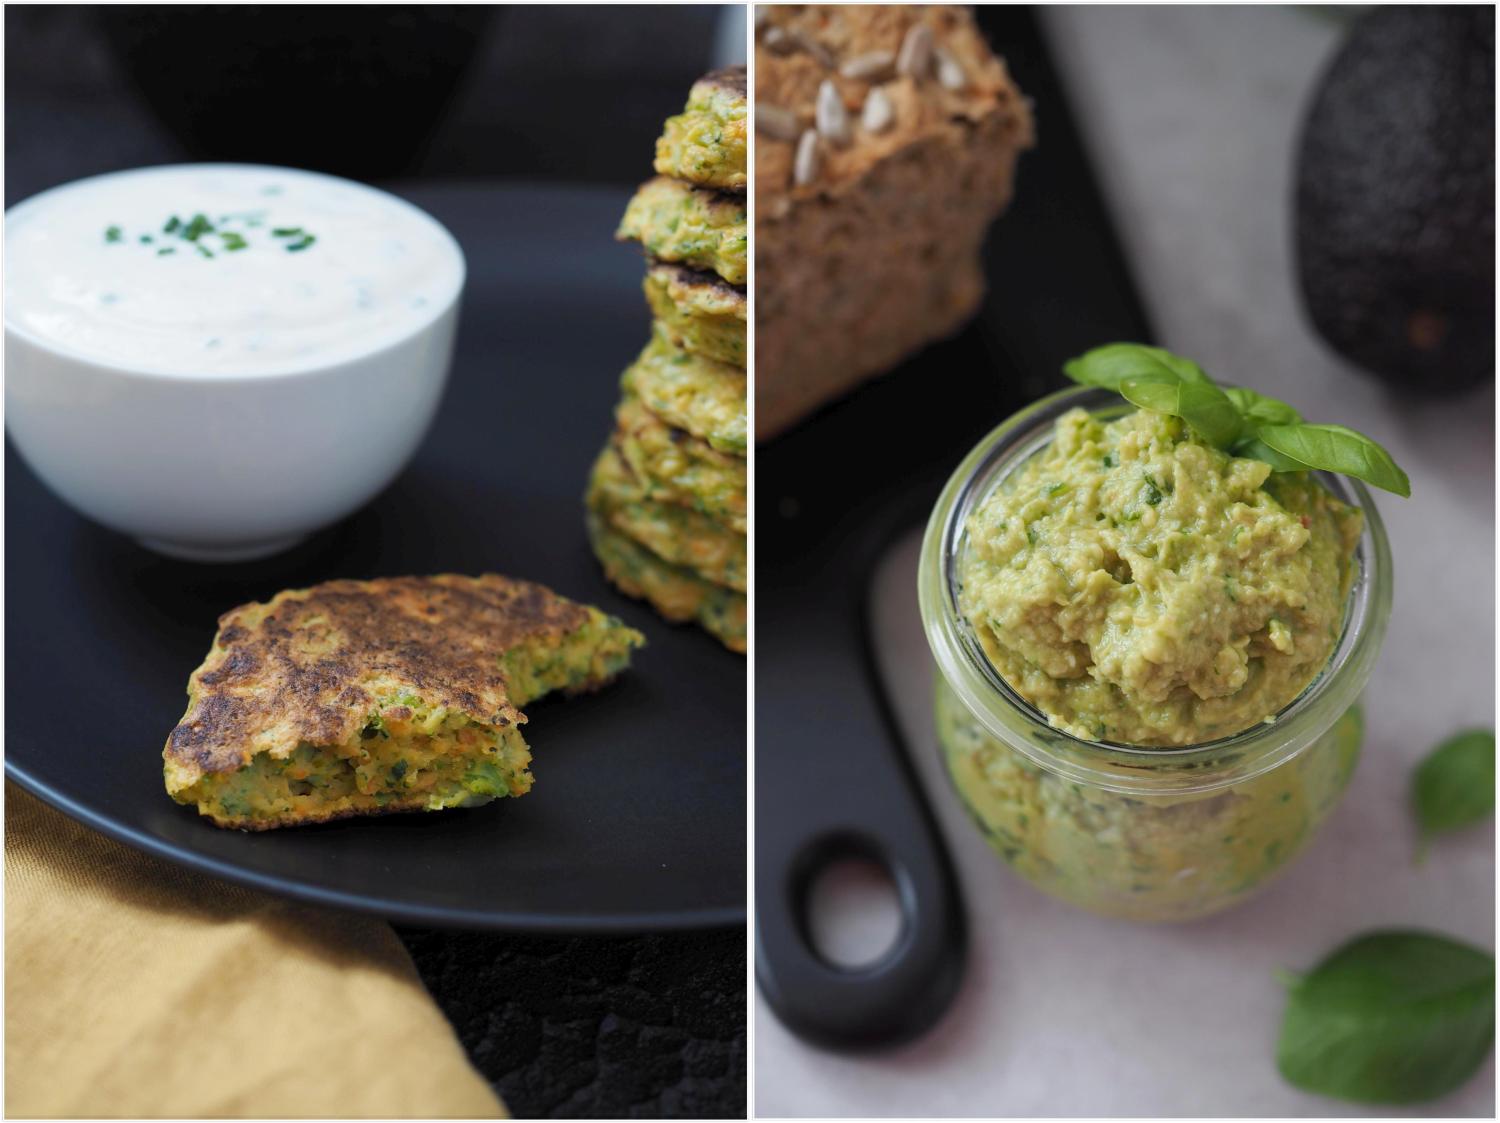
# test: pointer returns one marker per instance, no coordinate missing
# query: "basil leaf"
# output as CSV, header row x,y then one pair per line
x,y
1455,786
1333,448
1259,409
1252,447
1201,404
1238,420
1115,363
1391,1017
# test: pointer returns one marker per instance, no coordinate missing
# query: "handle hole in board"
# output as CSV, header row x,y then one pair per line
x,y
853,912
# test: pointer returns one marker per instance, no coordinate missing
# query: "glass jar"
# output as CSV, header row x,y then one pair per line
x,y
1128,831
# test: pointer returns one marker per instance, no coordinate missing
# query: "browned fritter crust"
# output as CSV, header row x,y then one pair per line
x,y
713,286
299,668
734,79
313,818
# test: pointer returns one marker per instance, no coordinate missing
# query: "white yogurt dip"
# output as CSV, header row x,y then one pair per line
x,y
220,359
224,269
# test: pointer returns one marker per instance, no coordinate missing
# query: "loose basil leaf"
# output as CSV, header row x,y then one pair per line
x,y
1116,363
1391,1017
1258,409
1253,448
1201,404
1455,786
1333,448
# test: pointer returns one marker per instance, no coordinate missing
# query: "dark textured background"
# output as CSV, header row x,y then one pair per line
x,y
552,93
647,1027
634,1027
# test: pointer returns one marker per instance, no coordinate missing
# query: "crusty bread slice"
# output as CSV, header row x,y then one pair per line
x,y
869,219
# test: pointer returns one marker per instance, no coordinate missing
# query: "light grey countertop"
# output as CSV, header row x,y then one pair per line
x,y
1191,115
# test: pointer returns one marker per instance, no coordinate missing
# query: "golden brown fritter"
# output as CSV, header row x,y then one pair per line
x,y
436,666
700,312
706,143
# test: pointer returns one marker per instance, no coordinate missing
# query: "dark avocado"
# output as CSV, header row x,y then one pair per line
x,y
1395,198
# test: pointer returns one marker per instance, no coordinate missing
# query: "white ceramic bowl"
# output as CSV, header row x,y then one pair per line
x,y
226,467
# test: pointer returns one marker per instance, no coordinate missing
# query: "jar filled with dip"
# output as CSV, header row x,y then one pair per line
x,y
1150,653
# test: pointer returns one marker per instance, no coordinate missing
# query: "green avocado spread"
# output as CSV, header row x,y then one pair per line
x,y
1138,586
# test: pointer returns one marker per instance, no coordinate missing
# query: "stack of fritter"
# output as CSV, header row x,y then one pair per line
x,y
666,500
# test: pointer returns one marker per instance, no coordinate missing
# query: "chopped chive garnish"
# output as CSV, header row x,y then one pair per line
x,y
197,228
113,234
192,231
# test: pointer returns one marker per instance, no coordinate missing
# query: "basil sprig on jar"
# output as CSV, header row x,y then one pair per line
x,y
1238,421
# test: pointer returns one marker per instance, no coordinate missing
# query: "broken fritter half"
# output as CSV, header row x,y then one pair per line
x,y
368,697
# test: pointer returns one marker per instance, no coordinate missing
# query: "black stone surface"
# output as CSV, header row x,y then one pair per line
x,y
640,1028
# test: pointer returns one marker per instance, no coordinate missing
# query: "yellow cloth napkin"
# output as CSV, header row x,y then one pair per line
x,y
135,988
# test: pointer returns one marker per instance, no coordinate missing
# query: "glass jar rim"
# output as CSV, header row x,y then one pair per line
x,y
1118,767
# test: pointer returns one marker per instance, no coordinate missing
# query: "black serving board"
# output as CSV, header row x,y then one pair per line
x,y
637,820
832,496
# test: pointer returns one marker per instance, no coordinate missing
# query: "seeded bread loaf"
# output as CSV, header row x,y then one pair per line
x,y
887,140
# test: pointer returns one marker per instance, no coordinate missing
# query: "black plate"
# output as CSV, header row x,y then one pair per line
x,y
637,821
832,496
